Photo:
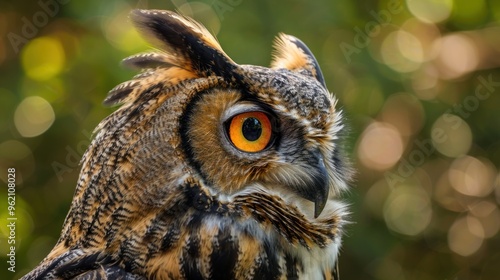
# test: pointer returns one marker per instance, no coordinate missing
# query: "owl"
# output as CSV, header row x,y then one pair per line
x,y
209,169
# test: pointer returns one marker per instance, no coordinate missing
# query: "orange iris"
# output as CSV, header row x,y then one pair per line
x,y
250,132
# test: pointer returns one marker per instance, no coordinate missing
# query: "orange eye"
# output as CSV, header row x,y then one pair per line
x,y
250,132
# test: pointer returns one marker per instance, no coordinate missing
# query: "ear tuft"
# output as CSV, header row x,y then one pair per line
x,y
292,54
187,43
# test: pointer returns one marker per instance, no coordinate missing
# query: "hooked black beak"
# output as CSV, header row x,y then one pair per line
x,y
317,189
321,188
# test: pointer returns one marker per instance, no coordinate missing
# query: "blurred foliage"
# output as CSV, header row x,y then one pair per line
x,y
418,81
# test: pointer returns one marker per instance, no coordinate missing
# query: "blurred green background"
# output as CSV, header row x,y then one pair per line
x,y
418,80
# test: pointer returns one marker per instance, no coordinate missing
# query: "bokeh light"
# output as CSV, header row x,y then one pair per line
x,y
456,55
402,51
488,214
43,58
33,116
408,210
425,33
430,10
466,236
451,135
380,146
471,176
410,46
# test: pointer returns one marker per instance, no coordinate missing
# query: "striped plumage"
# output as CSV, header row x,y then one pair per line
x,y
166,193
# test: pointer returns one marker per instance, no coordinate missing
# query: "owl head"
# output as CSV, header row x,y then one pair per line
x,y
236,127
240,127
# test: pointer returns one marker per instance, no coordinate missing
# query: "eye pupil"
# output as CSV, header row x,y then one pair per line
x,y
250,132
251,129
